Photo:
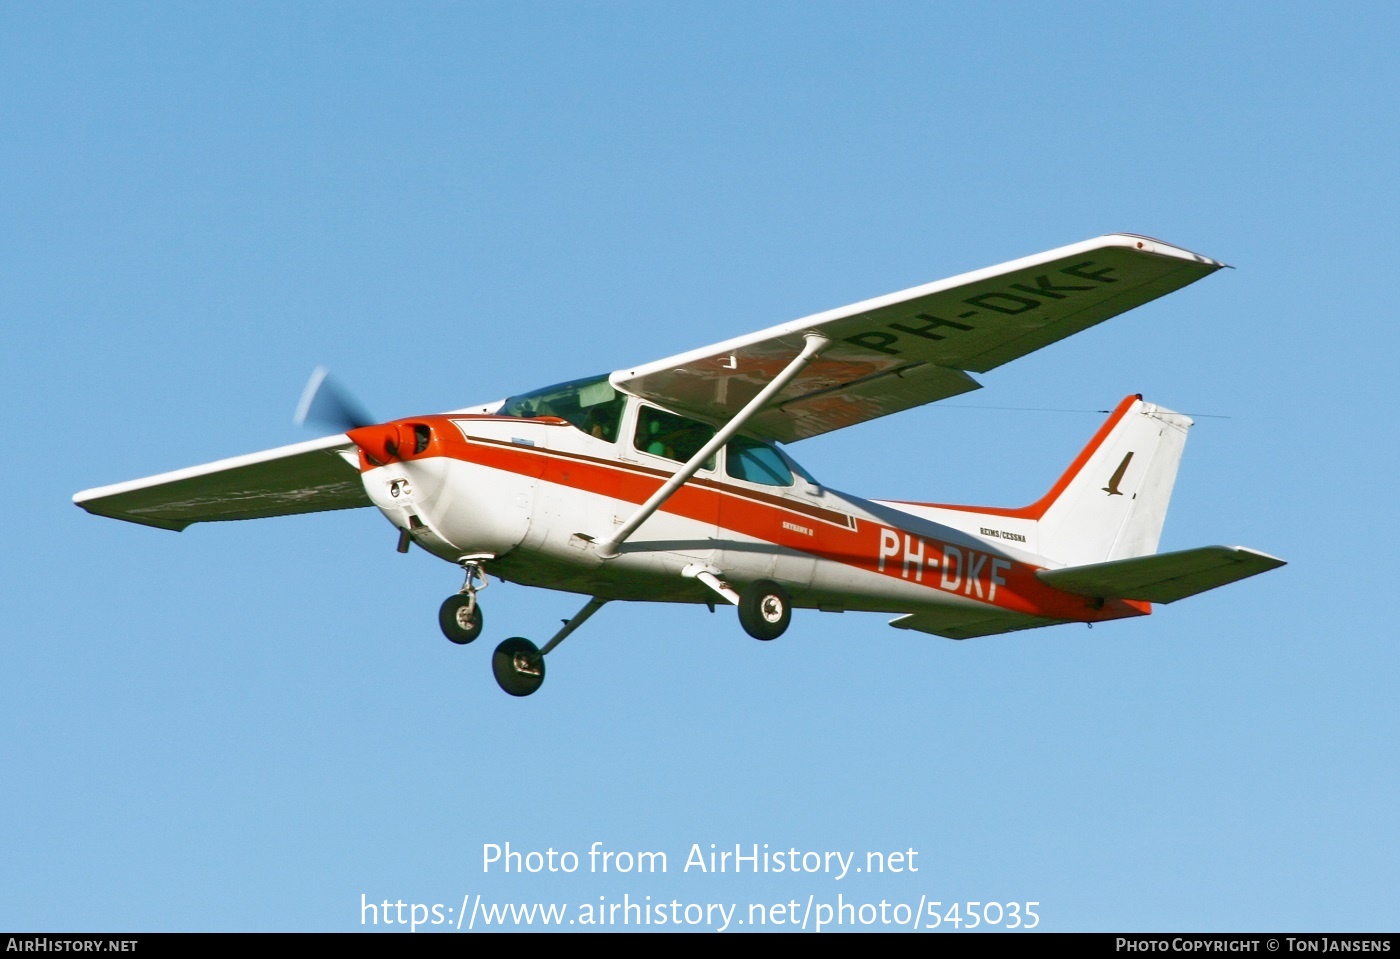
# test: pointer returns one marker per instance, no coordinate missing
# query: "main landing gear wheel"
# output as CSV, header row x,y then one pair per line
x,y
518,665
460,618
765,609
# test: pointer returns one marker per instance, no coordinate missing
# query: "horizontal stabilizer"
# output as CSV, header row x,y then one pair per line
x,y
302,478
967,622
1164,577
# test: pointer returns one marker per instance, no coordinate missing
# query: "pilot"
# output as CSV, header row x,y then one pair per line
x,y
600,421
656,441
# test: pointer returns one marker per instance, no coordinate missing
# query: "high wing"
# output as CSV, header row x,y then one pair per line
x,y
913,347
302,478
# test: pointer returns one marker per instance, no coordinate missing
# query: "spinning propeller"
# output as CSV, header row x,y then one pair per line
x,y
324,401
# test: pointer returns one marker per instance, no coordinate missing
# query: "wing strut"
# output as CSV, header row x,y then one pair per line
x,y
591,607
815,343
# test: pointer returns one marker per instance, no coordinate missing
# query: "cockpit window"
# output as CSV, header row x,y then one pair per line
x,y
756,462
591,405
674,437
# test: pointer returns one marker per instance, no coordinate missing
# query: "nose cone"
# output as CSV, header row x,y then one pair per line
x,y
380,444
393,442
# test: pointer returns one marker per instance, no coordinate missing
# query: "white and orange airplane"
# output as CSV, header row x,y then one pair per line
x,y
662,483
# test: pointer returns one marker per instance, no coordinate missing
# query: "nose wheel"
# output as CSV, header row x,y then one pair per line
x,y
460,617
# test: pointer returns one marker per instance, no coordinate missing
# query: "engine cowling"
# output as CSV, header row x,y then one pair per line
x,y
420,479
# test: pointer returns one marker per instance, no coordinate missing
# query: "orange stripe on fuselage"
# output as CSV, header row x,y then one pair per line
x,y
979,574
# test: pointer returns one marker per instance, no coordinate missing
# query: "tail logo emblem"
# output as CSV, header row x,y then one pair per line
x,y
1112,488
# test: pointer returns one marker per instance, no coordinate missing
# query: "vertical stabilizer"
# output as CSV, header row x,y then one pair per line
x,y
1111,503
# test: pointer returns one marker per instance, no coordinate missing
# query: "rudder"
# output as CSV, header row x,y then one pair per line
x,y
1112,501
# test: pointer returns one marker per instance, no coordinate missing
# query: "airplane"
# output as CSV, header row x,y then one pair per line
x,y
665,482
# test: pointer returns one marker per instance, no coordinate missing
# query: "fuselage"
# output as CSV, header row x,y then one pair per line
x,y
536,493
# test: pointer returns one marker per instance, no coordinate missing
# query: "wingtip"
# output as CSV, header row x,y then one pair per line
x,y
174,526
1150,244
1260,555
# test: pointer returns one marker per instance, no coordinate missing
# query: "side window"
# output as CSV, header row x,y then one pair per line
x,y
756,462
674,437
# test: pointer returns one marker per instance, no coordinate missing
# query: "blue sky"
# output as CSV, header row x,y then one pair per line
x,y
250,725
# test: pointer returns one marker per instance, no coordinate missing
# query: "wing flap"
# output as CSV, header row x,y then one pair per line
x,y
973,322
966,622
302,478
880,394
1162,577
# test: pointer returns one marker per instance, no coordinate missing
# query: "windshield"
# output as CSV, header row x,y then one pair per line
x,y
591,405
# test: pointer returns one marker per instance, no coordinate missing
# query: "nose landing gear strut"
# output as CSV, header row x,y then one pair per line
x,y
460,615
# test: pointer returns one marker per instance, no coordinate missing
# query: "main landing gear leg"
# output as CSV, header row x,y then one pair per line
x,y
765,608
460,616
519,665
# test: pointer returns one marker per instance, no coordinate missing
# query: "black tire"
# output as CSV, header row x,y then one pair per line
x,y
456,624
765,609
518,666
